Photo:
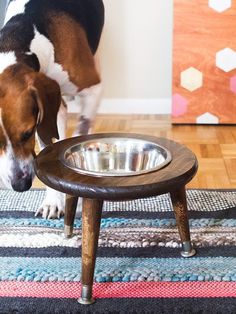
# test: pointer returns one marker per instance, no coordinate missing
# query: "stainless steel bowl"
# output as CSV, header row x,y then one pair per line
x,y
115,156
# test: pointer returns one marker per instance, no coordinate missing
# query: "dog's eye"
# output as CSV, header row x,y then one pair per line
x,y
27,135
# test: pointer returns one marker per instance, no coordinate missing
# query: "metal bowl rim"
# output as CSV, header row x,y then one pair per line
x,y
121,174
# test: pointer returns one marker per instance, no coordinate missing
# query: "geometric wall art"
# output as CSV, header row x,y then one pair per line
x,y
204,62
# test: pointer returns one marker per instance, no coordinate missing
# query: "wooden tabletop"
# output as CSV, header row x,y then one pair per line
x,y
177,173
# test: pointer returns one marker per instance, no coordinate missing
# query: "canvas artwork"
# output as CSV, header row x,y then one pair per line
x,y
204,62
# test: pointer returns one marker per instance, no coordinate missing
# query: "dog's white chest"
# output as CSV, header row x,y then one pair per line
x,y
44,50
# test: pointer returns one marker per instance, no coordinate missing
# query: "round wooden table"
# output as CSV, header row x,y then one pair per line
x,y
94,190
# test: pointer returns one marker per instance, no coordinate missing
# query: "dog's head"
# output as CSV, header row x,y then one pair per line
x,y
29,102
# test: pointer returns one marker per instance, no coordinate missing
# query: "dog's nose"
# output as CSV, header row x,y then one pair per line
x,y
23,184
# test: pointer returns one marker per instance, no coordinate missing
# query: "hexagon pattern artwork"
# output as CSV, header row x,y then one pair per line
x,y
179,105
191,79
207,118
220,5
233,84
226,59
204,62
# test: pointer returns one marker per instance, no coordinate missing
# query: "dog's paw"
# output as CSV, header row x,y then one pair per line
x,y
53,205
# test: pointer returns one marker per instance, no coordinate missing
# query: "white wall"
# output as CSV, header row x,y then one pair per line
x,y
136,51
135,54
2,10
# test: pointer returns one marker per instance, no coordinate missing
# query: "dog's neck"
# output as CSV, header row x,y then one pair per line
x,y
30,59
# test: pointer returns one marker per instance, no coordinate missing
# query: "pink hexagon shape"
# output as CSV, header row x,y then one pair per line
x,y
179,105
233,84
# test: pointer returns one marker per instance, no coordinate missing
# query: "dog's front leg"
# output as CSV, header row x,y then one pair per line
x,y
53,205
90,99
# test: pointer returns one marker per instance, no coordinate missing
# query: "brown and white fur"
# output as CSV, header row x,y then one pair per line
x,y
47,51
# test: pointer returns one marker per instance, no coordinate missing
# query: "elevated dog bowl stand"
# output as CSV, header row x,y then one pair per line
x,y
94,190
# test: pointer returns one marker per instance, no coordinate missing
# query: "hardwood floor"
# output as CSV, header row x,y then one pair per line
x,y
214,146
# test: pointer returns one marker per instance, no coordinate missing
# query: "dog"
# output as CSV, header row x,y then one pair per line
x,y
47,50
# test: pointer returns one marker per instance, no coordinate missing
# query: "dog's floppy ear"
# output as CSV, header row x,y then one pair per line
x,y
48,97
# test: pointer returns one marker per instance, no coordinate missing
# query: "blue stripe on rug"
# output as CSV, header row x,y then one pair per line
x,y
117,222
120,269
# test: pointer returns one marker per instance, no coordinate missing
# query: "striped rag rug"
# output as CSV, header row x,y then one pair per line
x,y
139,268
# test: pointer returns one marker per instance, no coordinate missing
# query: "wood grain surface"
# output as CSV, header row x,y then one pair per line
x,y
52,171
199,33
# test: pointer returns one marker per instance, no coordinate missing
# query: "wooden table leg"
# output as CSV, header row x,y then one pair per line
x,y
179,202
91,219
70,210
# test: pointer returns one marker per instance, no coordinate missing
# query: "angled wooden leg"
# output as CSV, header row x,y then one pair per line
x,y
70,210
179,202
91,219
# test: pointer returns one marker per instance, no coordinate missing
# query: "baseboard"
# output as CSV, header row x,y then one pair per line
x,y
129,106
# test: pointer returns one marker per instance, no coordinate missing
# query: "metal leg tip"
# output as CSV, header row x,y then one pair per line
x,y
86,301
86,295
68,232
188,253
187,250
68,236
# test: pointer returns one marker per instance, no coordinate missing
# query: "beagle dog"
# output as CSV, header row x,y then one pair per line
x,y
47,50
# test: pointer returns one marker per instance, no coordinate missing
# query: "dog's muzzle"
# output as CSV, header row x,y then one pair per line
x,y
21,181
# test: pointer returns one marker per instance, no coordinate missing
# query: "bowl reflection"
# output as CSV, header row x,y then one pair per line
x,y
115,156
